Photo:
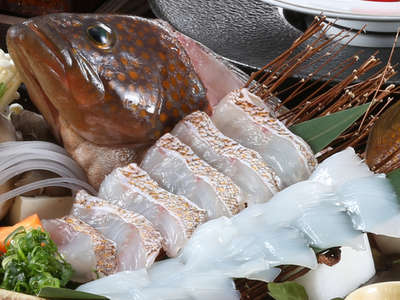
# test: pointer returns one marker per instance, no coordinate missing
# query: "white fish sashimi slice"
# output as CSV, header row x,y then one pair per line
x,y
177,169
340,168
138,242
174,216
246,167
87,250
237,117
372,204
315,210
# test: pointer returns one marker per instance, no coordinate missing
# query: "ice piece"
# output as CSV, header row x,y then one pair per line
x,y
176,168
372,204
254,127
138,242
86,249
246,167
174,216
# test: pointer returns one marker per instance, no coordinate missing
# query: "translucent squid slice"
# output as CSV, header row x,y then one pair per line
x,y
177,169
372,204
317,211
340,168
86,249
254,127
175,217
225,246
246,167
166,280
138,242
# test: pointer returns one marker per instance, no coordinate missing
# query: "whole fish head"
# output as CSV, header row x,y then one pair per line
x,y
113,79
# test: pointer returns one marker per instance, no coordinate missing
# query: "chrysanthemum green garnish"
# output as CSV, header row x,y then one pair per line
x,y
32,262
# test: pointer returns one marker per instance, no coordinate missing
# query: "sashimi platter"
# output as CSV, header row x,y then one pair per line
x,y
145,166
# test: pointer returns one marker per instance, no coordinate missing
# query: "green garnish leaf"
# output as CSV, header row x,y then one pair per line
x,y
394,178
32,262
288,290
2,89
320,132
62,293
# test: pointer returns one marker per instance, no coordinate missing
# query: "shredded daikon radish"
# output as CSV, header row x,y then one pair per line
x,y
19,157
70,183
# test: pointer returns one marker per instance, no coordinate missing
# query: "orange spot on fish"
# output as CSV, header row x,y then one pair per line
x,y
133,75
157,133
120,26
165,84
163,117
175,113
163,71
175,96
182,93
131,50
173,81
185,82
124,61
141,34
171,67
145,55
139,43
169,105
196,88
179,76
162,56
109,74
121,76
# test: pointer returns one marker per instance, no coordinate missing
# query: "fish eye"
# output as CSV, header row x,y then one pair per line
x,y
101,35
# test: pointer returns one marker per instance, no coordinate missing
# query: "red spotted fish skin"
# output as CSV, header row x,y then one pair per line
x,y
128,86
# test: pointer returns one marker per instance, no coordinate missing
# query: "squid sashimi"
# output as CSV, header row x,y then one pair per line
x,y
246,167
340,168
175,217
244,247
138,242
166,280
86,249
314,209
177,169
369,199
254,127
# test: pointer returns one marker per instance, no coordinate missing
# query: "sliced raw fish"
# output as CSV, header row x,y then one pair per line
x,y
86,249
174,216
372,204
254,127
176,168
166,280
341,167
138,242
246,167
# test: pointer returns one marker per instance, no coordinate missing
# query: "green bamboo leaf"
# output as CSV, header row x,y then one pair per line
x,y
394,178
67,294
2,89
320,132
288,290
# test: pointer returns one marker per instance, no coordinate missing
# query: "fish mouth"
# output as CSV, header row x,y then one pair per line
x,y
29,48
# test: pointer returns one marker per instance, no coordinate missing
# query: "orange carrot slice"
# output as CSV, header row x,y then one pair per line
x,y
30,222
